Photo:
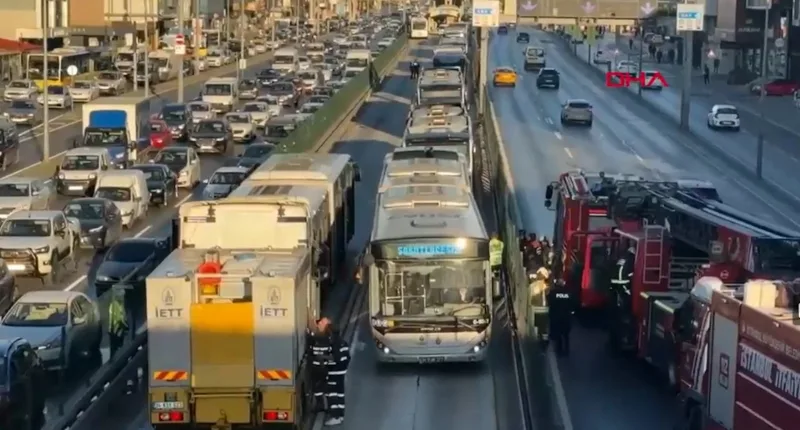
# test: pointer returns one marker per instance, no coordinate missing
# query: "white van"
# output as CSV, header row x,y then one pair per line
x,y
128,190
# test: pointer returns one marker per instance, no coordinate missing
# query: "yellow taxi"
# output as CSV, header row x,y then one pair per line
x,y
504,76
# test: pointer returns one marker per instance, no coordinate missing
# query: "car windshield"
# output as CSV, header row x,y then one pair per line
x,y
318,99
278,130
257,151
171,157
55,90
351,73
151,173
254,107
115,194
18,84
130,252
209,127
82,85
579,105
227,178
22,104
548,72
727,111
80,162
199,107
280,88
157,127
238,119
309,108
15,190
24,314
107,76
177,114
85,210
25,228
218,90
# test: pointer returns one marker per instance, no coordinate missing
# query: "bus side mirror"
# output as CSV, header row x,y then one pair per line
x,y
548,204
356,172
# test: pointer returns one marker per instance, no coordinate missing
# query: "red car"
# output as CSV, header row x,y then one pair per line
x,y
781,87
160,135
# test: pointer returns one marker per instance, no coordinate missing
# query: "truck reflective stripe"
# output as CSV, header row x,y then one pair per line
x,y
170,375
274,374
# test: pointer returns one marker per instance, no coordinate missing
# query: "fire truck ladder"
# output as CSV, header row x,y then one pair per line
x,y
653,243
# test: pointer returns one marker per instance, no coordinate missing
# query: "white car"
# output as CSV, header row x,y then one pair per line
x,y
273,105
601,57
183,161
627,67
111,83
724,116
259,111
84,91
200,111
20,90
260,47
385,42
57,96
200,65
242,126
215,59
304,62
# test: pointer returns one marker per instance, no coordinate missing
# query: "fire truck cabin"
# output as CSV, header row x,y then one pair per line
x,y
746,374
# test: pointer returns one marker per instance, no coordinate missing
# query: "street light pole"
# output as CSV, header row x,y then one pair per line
x,y
194,46
45,86
148,73
239,70
761,93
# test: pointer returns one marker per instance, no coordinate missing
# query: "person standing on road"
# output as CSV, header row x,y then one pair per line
x,y
706,74
117,320
337,372
716,66
319,351
561,306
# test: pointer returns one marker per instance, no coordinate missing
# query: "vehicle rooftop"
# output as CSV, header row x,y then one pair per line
x,y
232,169
48,214
451,124
48,296
321,167
183,262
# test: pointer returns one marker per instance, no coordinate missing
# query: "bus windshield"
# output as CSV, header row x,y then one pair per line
x,y
431,287
36,67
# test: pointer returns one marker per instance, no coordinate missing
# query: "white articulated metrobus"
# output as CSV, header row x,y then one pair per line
x,y
419,28
430,283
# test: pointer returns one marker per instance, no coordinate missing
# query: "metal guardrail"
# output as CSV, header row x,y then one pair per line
x,y
111,379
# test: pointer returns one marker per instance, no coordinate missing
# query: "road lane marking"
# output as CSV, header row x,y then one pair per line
x,y
549,121
569,153
560,137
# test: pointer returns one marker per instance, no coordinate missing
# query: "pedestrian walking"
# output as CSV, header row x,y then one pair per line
x,y
716,66
630,44
706,74
117,320
659,56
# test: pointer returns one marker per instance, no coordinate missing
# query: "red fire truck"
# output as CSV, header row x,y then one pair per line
x,y
741,369
675,233
585,230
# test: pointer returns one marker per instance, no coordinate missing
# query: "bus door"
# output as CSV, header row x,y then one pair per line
x,y
598,259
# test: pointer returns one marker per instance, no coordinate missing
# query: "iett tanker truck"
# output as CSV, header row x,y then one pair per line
x,y
227,311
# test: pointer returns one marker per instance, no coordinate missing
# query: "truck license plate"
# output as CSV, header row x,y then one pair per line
x,y
16,267
167,405
428,360
75,187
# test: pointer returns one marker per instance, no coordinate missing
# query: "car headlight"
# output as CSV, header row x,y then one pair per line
x,y
193,139
157,191
102,278
97,229
62,176
480,321
184,173
92,176
120,155
127,214
42,250
53,343
221,139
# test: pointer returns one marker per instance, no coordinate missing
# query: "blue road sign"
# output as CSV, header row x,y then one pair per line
x,y
482,11
688,15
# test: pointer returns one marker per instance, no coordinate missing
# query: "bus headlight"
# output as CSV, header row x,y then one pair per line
x,y
480,321
377,322
476,349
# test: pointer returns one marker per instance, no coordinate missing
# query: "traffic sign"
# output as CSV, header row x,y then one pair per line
x,y
72,70
485,13
780,43
243,64
180,44
690,17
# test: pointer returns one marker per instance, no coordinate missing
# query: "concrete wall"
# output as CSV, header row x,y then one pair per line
x,y
87,13
116,8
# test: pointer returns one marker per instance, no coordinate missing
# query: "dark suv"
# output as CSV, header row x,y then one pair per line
x,y
548,78
22,386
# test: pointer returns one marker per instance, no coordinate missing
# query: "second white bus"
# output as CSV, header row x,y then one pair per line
x,y
419,28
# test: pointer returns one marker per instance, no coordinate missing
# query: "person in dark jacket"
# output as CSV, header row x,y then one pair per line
x,y
561,306
337,358
319,352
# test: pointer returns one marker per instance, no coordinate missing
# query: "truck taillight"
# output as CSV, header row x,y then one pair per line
x,y
275,416
173,416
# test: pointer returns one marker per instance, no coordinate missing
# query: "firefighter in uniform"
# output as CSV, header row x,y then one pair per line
x,y
561,306
117,320
335,352
623,273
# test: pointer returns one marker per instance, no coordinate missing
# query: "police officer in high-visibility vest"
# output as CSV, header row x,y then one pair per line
x,y
331,353
117,320
496,254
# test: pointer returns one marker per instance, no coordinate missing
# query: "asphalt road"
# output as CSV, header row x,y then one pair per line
x,y
781,153
400,398
604,391
155,225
